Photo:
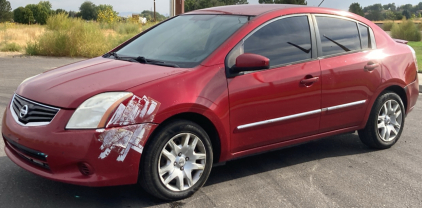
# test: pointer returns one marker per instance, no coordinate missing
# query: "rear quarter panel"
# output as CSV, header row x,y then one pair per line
x,y
397,63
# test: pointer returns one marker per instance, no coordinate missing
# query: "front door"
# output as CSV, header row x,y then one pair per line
x,y
283,102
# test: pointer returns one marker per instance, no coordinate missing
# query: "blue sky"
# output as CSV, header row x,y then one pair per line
x,y
126,7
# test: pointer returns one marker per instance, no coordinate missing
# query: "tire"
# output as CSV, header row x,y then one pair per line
x,y
176,160
385,123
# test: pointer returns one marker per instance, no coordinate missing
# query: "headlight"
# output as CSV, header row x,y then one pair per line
x,y
94,112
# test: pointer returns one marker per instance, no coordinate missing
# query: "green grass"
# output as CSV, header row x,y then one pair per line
x,y
10,47
418,48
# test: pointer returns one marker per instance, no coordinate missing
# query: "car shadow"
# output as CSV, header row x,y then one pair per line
x,y
16,183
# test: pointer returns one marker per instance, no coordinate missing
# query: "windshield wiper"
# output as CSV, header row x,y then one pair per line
x,y
161,63
143,60
339,45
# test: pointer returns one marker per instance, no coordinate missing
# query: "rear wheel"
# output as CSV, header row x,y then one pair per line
x,y
385,123
177,162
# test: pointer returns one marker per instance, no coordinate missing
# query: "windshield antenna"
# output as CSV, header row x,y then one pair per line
x,y
321,3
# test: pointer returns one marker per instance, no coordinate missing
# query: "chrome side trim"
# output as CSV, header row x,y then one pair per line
x,y
346,105
300,115
278,119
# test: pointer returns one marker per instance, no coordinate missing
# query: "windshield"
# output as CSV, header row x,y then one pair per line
x,y
184,40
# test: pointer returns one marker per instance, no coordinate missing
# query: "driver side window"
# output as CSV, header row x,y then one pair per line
x,y
283,41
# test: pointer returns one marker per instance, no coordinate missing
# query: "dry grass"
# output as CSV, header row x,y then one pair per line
x,y
19,34
54,38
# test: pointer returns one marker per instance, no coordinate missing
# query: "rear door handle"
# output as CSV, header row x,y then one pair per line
x,y
371,66
309,81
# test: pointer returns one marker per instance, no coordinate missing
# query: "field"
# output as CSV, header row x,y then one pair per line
x,y
18,34
63,36
418,48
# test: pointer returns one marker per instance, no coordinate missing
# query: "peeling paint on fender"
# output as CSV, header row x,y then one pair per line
x,y
123,139
137,110
126,133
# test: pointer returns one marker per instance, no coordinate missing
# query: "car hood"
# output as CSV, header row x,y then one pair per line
x,y
68,86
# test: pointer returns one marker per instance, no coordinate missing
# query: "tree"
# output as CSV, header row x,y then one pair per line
x,y
40,13
106,7
5,11
356,8
23,15
73,14
391,7
398,15
59,11
107,15
150,15
390,15
301,2
406,14
408,7
88,10
45,4
28,16
374,12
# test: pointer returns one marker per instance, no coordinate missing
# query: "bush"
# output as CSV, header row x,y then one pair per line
x,y
59,22
70,37
387,25
127,28
10,47
407,30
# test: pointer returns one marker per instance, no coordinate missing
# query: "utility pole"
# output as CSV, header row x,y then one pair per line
x,y
155,20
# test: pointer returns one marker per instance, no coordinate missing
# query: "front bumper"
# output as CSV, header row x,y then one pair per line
x,y
112,159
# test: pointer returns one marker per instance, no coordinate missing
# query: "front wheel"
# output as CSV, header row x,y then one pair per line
x,y
385,123
177,162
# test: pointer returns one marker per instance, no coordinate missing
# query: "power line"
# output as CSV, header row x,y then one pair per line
x,y
321,3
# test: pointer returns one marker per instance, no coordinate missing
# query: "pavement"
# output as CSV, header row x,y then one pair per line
x,y
337,171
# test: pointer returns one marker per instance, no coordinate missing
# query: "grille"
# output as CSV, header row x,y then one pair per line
x,y
28,111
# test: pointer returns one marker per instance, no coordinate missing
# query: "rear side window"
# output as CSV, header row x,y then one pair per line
x,y
364,36
283,41
338,35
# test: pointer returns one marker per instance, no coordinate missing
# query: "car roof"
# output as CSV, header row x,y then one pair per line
x,y
245,9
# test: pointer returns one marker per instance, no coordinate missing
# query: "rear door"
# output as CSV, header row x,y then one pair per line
x,y
274,105
350,75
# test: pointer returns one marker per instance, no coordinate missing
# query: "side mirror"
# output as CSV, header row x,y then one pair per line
x,y
251,62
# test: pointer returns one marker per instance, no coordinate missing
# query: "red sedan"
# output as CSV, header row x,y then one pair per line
x,y
210,86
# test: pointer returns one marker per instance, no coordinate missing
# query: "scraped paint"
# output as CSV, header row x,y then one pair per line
x,y
126,133
137,110
123,139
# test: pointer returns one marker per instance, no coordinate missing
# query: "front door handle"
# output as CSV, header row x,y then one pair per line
x,y
371,66
309,81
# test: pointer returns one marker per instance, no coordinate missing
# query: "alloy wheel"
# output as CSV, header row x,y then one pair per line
x,y
390,118
182,162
